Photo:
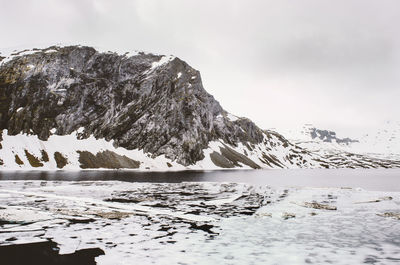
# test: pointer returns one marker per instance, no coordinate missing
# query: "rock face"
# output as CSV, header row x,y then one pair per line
x,y
156,104
162,110
329,136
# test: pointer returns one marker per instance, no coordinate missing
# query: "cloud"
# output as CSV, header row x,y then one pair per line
x,y
333,63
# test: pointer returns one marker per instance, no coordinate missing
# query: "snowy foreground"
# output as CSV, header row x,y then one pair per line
x,y
204,223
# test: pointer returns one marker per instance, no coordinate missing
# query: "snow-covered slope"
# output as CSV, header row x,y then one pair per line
x,y
75,107
383,142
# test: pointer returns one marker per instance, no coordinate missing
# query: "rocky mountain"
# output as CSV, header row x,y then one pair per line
x,y
308,133
75,107
329,136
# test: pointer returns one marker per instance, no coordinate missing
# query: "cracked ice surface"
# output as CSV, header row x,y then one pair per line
x,y
204,223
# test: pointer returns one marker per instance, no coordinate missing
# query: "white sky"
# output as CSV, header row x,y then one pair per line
x,y
283,63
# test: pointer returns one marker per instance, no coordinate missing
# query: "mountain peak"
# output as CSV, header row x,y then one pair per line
x,y
150,103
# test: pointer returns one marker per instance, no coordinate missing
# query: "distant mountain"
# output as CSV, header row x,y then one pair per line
x,y
381,143
75,107
384,141
309,133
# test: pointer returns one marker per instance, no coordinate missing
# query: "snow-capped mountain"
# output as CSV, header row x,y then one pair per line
x,y
381,143
75,107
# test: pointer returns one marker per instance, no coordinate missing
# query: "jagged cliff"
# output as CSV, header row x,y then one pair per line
x,y
80,107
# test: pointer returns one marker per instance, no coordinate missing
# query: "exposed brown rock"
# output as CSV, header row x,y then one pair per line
x,y
236,157
18,160
319,206
45,156
106,159
60,160
387,198
286,216
221,161
33,160
390,214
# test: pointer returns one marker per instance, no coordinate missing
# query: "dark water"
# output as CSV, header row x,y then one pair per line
x,y
44,253
369,179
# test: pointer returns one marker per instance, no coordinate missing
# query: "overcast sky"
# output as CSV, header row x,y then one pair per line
x,y
282,63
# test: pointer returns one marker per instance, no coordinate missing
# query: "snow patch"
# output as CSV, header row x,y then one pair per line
x,y
164,59
232,117
61,84
68,145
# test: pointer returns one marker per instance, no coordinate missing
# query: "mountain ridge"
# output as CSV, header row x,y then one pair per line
x,y
382,142
149,105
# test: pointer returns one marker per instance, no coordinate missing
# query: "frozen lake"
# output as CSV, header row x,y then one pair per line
x,y
369,179
221,217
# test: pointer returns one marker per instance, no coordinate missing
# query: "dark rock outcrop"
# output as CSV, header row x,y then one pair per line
x,y
61,161
106,159
329,136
